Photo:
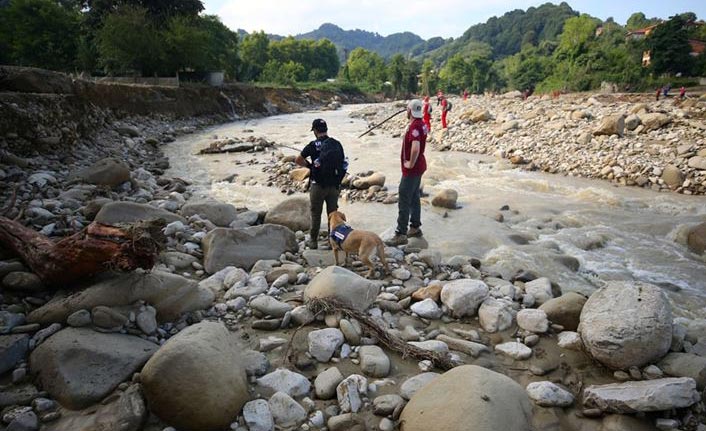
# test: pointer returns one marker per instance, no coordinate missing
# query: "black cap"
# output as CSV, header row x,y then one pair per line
x,y
319,125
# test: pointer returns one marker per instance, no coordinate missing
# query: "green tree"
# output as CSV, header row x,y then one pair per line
x,y
254,54
39,33
429,78
128,42
411,77
670,48
637,21
221,47
366,68
455,75
185,45
396,72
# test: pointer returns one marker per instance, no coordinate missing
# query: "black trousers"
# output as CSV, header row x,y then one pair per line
x,y
317,196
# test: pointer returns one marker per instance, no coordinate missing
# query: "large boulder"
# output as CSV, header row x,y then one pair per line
x,y
130,212
446,198
170,294
197,380
627,324
342,285
79,366
127,412
643,396
293,213
464,296
565,310
466,395
13,349
611,125
672,176
654,121
243,247
219,213
696,240
105,172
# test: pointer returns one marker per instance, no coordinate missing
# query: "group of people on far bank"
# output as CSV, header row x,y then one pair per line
x,y
325,158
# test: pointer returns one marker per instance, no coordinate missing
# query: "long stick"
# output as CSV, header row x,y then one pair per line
x,y
382,122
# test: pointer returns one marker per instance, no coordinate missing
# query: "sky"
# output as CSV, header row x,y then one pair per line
x,y
427,18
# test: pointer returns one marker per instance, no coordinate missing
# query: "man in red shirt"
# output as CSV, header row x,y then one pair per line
x,y
444,111
413,166
427,113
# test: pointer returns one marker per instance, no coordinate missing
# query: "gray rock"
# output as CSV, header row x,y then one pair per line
x,y
427,309
468,347
644,396
243,247
10,320
79,318
495,315
293,213
258,416
23,281
26,420
285,411
255,363
18,395
473,398
107,318
696,239
147,320
565,310
514,350
431,345
219,213
324,342
611,125
270,306
570,340
321,258
540,289
130,212
359,292
548,394
533,320
302,315
464,296
8,266
445,199
672,176
286,381
205,355
326,382
685,365
415,383
627,324
105,172
180,261
350,393
373,361
127,412
170,294
385,405
350,332
13,349
79,367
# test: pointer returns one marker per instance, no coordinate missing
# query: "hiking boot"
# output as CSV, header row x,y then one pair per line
x,y
414,232
396,240
312,244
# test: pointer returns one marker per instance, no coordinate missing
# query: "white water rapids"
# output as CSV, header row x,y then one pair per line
x,y
615,233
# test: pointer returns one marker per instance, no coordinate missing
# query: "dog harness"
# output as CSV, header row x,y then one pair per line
x,y
340,233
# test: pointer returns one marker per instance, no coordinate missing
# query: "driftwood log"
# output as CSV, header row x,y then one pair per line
x,y
95,249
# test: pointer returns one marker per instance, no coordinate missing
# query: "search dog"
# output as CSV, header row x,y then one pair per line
x,y
362,242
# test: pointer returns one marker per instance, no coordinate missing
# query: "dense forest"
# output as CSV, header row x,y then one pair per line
x,y
545,48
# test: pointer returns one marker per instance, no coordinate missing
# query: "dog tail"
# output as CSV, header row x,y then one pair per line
x,y
381,255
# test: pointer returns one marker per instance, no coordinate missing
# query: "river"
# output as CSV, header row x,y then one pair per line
x,y
554,222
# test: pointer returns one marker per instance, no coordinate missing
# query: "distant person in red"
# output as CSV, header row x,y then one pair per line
x,y
439,96
444,111
427,113
465,94
682,93
659,90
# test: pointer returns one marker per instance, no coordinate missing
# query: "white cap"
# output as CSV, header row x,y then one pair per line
x,y
415,108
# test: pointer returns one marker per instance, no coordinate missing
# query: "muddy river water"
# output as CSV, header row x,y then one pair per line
x,y
553,224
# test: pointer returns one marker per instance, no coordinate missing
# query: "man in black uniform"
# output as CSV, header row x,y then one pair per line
x,y
327,165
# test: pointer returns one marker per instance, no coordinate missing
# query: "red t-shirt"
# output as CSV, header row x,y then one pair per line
x,y
417,131
427,110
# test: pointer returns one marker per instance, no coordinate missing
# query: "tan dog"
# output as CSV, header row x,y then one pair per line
x,y
362,242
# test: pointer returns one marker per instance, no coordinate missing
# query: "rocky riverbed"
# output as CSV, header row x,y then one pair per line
x,y
227,331
627,139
